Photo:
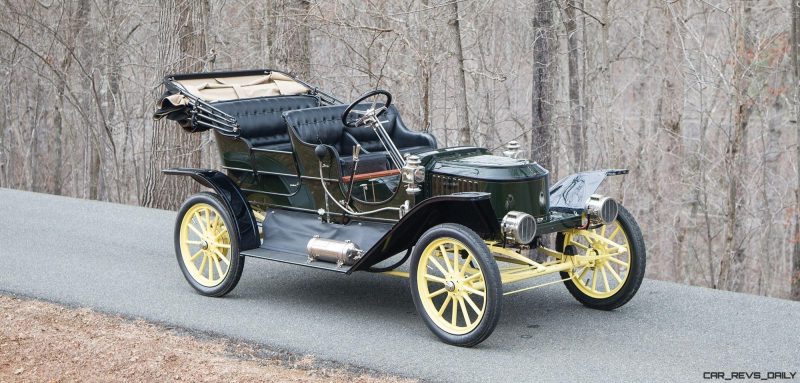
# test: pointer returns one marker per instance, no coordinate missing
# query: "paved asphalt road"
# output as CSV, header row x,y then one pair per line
x,y
119,259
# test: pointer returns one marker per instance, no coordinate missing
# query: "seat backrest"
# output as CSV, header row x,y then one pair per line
x,y
367,137
261,121
322,125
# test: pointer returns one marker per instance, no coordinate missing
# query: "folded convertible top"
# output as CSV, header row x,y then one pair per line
x,y
197,92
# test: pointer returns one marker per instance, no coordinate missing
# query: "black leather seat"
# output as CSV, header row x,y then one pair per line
x,y
406,140
261,120
323,125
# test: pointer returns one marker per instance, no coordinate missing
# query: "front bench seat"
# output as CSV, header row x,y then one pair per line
x,y
323,125
406,140
261,121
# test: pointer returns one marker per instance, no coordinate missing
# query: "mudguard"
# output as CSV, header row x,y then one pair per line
x,y
233,198
571,192
473,210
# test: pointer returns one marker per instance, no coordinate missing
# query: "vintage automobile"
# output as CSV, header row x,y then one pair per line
x,y
311,181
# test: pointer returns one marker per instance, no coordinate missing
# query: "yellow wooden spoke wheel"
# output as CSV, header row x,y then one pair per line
x,y
605,276
615,268
205,245
456,284
451,286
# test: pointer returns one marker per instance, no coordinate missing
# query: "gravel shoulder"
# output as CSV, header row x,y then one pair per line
x,y
46,342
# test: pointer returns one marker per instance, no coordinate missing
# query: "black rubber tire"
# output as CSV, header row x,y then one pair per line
x,y
491,275
237,261
638,260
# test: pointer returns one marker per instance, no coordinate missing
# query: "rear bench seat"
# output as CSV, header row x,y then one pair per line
x,y
260,120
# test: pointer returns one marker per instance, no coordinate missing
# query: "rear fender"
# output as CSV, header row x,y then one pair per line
x,y
571,193
473,210
233,198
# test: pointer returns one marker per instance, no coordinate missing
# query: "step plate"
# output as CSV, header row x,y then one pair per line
x,y
294,259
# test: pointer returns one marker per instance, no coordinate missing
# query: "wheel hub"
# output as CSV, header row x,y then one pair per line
x,y
450,286
204,245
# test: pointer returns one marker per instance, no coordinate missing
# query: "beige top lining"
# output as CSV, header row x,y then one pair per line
x,y
235,88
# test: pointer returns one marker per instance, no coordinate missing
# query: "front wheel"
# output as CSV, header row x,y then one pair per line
x,y
206,245
613,278
456,286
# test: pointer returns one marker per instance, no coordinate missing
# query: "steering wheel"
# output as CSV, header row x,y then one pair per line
x,y
373,112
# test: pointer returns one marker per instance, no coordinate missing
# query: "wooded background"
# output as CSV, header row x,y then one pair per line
x,y
699,98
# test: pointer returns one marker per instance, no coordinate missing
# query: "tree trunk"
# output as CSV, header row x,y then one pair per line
x,y
425,63
290,49
576,109
544,74
182,48
76,24
258,33
669,111
94,168
795,290
730,273
114,102
300,57
606,92
462,108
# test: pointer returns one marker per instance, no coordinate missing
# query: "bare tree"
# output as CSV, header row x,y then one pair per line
x,y
76,22
795,51
425,64
291,50
669,110
543,96
182,48
576,107
462,106
730,271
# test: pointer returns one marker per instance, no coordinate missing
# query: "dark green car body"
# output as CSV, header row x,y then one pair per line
x,y
295,176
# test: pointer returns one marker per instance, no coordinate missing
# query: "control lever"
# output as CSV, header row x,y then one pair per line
x,y
356,153
321,152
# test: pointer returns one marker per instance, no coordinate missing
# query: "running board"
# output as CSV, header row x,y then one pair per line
x,y
293,258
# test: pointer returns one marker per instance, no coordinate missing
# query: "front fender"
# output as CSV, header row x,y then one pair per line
x,y
233,198
571,192
473,210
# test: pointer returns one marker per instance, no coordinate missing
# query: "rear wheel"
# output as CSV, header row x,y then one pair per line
x,y
613,279
206,245
456,285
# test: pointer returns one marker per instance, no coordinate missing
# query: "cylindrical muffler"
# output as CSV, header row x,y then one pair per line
x,y
329,250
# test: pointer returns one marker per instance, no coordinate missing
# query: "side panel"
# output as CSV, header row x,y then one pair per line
x,y
234,199
473,210
289,231
529,195
277,182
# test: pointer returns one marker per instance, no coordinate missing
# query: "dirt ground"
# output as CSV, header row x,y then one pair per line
x,y
45,342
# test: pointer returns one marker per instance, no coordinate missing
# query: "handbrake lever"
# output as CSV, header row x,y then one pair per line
x,y
356,153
